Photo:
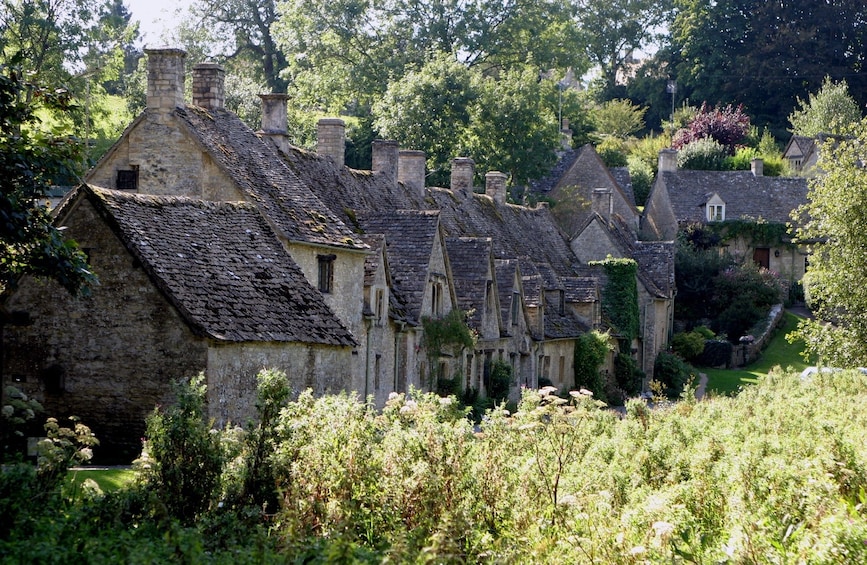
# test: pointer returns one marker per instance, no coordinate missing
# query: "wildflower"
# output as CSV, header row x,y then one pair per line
x,y
638,550
546,390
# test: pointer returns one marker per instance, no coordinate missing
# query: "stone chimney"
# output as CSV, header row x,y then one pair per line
x,y
385,158
165,79
668,161
757,166
603,203
274,121
411,168
331,139
495,186
209,86
463,169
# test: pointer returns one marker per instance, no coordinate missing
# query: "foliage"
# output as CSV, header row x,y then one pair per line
x,y
704,154
628,376
831,110
673,372
182,460
618,118
610,150
31,160
620,297
591,349
834,284
405,113
447,335
717,353
755,230
18,410
772,165
742,296
727,125
501,381
697,264
641,174
728,51
688,345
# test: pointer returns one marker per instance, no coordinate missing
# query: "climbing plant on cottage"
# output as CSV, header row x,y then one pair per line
x,y
620,297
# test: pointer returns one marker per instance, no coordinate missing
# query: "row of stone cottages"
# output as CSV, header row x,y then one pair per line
x,y
224,250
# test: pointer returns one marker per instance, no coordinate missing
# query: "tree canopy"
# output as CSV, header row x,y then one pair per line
x,y
830,110
835,218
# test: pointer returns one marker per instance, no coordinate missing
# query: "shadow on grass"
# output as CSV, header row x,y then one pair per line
x,y
779,352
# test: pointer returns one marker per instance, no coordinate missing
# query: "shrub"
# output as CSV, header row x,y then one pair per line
x,y
673,372
689,345
726,126
742,296
182,459
717,353
611,153
641,175
627,375
590,351
501,380
703,154
705,332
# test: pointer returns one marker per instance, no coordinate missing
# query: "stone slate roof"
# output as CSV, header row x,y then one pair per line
x,y
624,181
516,231
470,258
800,144
409,240
580,289
376,242
549,182
656,266
222,267
346,191
262,175
745,195
562,326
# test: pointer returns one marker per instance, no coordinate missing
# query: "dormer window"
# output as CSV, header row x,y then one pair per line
x,y
716,209
326,273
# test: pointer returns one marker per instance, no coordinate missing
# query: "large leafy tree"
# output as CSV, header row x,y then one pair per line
x,y
31,160
831,110
613,30
765,54
836,217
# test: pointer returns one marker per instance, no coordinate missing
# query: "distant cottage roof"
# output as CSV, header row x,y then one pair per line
x,y
409,242
277,191
222,267
624,181
745,195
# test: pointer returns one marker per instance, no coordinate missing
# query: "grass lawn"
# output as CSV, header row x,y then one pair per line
x,y
108,479
779,352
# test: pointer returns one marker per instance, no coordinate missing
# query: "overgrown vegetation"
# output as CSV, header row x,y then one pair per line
x,y
620,297
776,474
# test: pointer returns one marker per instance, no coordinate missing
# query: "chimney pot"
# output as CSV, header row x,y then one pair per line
x,y
165,79
209,86
757,166
495,186
411,169
668,161
331,139
385,156
274,122
463,169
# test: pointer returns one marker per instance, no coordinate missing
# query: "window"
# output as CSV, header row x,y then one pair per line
x,y
716,213
326,273
516,307
377,368
127,179
380,306
436,299
562,369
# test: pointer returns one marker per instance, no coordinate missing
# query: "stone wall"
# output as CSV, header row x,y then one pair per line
x,y
109,358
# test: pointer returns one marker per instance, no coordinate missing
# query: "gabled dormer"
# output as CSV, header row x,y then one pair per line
x,y
715,209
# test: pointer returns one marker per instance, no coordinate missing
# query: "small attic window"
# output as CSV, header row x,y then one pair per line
x,y
326,273
127,179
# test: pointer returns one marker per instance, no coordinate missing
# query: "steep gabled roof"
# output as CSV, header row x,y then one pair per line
x,y
580,290
656,266
505,271
470,258
624,181
409,240
562,325
255,166
798,146
221,266
745,195
372,260
516,231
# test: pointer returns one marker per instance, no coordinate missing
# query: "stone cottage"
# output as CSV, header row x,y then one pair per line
x,y
682,197
185,286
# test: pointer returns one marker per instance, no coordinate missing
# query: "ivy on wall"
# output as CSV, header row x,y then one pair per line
x,y
590,351
756,231
440,334
620,297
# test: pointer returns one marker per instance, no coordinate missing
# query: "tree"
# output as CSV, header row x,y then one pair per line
x,y
727,126
765,54
30,162
618,118
429,110
612,30
834,284
830,110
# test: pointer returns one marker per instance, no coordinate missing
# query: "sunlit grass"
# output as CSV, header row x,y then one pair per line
x,y
778,353
108,479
